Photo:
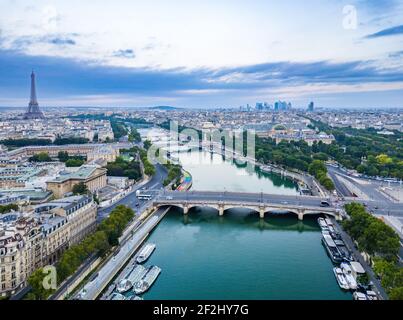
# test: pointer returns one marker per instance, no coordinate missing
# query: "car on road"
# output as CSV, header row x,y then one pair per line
x,y
168,198
324,204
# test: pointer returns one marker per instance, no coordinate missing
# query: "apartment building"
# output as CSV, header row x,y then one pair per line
x,y
36,238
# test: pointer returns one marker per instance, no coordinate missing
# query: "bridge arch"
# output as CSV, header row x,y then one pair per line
x,y
320,213
261,208
204,205
162,205
246,207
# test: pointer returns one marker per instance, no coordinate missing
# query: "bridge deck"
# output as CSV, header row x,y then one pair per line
x,y
255,201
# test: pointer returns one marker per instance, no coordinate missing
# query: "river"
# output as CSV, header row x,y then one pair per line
x,y
239,256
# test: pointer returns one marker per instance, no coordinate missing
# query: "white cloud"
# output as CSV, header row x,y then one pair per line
x,y
191,33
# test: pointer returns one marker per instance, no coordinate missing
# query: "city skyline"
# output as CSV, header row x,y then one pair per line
x,y
226,56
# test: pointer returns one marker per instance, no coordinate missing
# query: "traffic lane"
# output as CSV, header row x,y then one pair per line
x,y
278,199
370,188
340,187
379,207
229,194
252,197
131,200
92,288
372,180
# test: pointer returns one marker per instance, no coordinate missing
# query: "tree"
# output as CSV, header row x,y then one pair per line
x,y
320,156
147,144
35,280
70,140
74,162
119,129
80,188
122,168
372,234
134,135
8,207
63,156
391,277
383,159
326,182
362,168
396,293
40,157
316,167
363,279
17,143
148,167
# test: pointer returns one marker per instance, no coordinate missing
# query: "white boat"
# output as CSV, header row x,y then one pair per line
x,y
117,296
145,252
341,279
322,224
348,273
359,296
331,248
266,169
144,284
134,276
329,222
371,295
325,233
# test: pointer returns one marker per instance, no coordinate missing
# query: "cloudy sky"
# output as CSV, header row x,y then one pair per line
x,y
207,53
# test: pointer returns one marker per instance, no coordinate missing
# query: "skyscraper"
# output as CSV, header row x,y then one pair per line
x,y
310,106
33,111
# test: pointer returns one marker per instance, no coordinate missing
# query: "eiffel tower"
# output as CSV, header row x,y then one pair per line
x,y
33,111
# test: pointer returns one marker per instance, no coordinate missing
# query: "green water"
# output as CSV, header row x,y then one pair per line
x,y
239,256
212,173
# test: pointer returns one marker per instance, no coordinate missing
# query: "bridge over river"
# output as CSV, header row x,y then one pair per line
x,y
259,202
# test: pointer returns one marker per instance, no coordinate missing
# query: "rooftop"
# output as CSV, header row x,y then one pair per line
x,y
84,172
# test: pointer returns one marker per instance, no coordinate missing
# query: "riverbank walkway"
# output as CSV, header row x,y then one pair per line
x,y
104,276
358,256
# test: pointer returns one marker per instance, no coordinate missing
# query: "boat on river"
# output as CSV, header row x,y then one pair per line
x,y
359,296
348,273
329,222
134,276
145,252
331,248
341,279
144,284
322,224
371,295
117,296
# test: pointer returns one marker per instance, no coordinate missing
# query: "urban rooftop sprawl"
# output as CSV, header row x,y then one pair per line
x,y
64,170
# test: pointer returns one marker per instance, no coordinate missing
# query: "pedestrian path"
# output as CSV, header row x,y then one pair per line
x,y
357,255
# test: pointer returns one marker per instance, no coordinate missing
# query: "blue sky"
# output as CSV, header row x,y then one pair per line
x,y
202,54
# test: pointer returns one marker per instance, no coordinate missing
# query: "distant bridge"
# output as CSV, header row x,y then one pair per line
x,y
259,202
